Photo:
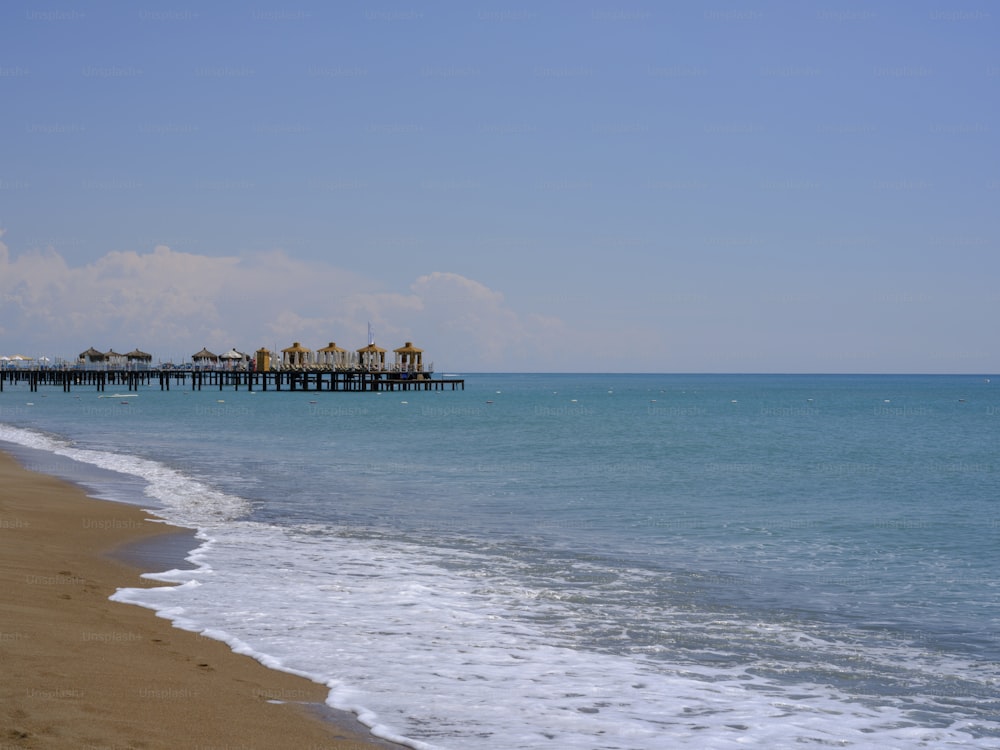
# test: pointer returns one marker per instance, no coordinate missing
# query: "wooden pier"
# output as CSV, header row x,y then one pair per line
x,y
312,380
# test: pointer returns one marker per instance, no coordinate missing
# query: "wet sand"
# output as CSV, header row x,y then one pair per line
x,y
84,672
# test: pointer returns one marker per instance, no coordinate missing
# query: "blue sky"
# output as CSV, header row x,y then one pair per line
x,y
635,186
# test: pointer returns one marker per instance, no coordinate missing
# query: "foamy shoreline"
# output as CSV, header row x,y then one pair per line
x,y
83,671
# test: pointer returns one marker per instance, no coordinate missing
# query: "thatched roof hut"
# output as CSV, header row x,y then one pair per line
x,y
409,358
92,355
295,355
332,355
137,355
372,357
114,359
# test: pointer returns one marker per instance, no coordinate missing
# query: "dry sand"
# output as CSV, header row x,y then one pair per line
x,y
80,671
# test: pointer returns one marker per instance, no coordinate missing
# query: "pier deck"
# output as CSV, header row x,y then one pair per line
x,y
195,379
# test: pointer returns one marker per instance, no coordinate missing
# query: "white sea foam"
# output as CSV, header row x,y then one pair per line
x,y
188,502
445,660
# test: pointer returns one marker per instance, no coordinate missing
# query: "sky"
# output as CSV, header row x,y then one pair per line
x,y
540,186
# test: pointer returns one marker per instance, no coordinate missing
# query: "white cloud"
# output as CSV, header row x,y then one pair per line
x,y
173,303
475,317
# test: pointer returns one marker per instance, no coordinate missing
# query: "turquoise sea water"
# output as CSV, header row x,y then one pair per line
x,y
582,561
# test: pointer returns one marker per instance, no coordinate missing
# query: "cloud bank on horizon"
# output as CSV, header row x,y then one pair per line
x,y
173,303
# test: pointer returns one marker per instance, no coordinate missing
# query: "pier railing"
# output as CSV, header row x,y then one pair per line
x,y
301,379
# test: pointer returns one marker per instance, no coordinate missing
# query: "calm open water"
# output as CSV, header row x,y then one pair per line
x,y
582,562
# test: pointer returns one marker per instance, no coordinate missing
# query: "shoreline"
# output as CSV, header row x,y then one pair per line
x,y
83,671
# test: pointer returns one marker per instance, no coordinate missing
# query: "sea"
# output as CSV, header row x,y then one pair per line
x,y
579,561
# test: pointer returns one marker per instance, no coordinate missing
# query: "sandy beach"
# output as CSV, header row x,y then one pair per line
x,y
80,671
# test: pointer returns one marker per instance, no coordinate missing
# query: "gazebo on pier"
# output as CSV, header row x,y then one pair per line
x,y
92,357
295,355
333,356
233,358
114,359
371,358
138,357
205,358
409,358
